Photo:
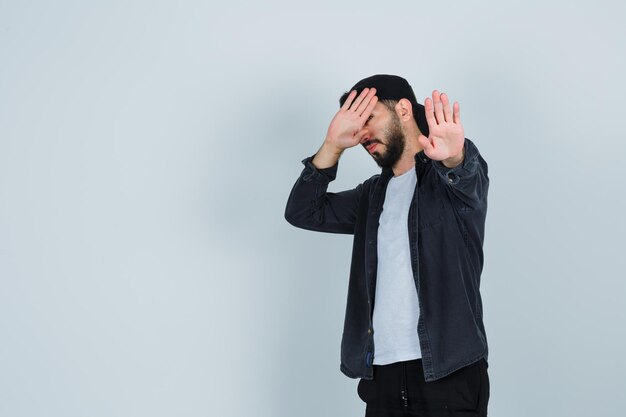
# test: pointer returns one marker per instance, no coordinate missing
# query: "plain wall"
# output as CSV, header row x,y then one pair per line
x,y
147,150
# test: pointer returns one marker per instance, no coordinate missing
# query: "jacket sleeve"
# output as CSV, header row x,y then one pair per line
x,y
468,181
311,207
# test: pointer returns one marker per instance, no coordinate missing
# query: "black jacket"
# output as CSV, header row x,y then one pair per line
x,y
446,229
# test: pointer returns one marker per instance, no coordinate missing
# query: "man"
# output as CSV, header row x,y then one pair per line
x,y
413,330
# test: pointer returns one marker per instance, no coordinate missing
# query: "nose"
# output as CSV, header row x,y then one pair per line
x,y
365,135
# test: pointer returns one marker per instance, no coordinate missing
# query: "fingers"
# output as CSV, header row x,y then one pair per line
x,y
363,100
348,102
447,110
370,107
358,100
430,116
439,106
457,112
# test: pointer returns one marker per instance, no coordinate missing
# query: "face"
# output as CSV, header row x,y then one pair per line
x,y
385,139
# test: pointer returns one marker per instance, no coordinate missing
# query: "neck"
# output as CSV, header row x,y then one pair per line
x,y
407,160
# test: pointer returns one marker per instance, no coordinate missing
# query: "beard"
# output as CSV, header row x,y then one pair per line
x,y
394,145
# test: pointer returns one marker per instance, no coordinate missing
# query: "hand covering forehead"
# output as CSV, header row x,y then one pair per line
x,y
392,87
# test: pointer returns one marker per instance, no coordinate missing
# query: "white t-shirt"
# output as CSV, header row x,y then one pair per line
x,y
396,308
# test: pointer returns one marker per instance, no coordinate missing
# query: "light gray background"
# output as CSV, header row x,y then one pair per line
x,y
147,150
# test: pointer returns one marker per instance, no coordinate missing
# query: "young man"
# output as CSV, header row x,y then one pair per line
x,y
413,330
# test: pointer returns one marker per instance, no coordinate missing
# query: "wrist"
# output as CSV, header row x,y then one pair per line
x,y
329,147
327,156
456,160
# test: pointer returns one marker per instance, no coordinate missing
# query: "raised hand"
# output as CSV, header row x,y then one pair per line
x,y
344,130
446,137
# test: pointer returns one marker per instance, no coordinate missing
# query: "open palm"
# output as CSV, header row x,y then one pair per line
x,y
446,137
345,130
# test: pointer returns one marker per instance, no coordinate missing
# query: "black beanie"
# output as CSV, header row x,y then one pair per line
x,y
392,87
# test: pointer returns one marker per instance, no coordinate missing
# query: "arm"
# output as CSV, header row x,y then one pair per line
x,y
309,205
455,159
469,180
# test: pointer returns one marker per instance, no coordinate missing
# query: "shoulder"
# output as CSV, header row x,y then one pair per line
x,y
371,181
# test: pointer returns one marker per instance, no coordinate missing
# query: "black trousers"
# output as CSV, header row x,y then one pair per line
x,y
399,389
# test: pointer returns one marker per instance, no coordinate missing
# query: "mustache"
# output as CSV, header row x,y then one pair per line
x,y
369,142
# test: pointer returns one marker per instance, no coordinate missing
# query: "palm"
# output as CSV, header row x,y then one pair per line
x,y
345,127
446,136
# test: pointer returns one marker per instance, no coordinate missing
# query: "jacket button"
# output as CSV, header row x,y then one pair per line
x,y
369,331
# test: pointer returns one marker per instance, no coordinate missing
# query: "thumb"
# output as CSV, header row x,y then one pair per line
x,y
358,135
423,140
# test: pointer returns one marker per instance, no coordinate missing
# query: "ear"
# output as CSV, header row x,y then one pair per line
x,y
404,109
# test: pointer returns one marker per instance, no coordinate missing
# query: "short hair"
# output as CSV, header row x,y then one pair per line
x,y
390,104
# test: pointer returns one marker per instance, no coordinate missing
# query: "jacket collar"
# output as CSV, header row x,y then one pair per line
x,y
421,158
420,161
